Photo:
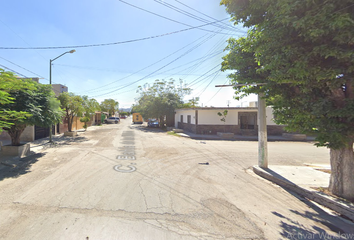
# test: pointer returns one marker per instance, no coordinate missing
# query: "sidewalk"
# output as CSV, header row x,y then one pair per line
x,y
237,137
304,180
37,147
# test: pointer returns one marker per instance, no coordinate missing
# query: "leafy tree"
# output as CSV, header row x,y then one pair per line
x,y
90,106
9,82
124,113
35,105
304,52
160,99
192,103
72,105
110,106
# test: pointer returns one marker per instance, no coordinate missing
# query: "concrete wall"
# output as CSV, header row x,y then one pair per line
x,y
211,117
59,88
185,113
270,116
207,121
26,136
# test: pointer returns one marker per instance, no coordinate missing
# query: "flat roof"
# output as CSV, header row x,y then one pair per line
x,y
219,108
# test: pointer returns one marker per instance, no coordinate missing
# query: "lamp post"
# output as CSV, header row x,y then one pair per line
x,y
50,82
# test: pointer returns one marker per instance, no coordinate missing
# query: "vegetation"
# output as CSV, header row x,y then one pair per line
x,y
90,106
9,83
160,100
29,103
300,54
223,117
110,106
192,103
124,113
72,105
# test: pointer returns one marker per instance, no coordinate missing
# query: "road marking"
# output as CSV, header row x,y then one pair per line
x,y
117,168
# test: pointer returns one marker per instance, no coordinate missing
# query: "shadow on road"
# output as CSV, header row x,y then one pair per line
x,y
291,229
145,128
21,167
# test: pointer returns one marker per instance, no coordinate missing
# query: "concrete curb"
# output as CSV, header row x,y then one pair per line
x,y
336,205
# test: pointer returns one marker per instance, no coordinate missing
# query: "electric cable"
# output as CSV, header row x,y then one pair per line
x,y
21,67
190,14
205,14
164,16
149,75
109,44
13,71
95,90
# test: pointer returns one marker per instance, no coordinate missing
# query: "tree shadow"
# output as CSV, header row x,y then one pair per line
x,y
64,140
20,167
144,128
290,229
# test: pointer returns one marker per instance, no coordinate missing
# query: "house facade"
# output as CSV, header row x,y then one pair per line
x,y
239,120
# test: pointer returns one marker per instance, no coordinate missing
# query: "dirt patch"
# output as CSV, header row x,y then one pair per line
x,y
324,170
326,191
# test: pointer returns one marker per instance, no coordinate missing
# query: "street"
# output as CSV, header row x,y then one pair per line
x,y
126,181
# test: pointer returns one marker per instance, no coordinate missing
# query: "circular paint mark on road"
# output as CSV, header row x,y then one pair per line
x,y
131,168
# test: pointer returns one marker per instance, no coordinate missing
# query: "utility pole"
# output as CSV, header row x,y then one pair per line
x,y
262,133
262,126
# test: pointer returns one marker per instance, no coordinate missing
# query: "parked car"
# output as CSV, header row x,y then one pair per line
x,y
153,123
123,117
112,120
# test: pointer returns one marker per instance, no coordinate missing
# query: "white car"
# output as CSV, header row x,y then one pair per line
x,y
112,120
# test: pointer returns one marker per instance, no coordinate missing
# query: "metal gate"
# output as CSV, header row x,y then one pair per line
x,y
40,132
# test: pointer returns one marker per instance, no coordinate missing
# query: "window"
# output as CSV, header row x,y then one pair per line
x,y
189,119
181,118
247,120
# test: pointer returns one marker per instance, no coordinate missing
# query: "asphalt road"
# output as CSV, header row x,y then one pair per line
x,y
124,181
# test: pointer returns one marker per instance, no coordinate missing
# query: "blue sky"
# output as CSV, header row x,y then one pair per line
x,y
131,45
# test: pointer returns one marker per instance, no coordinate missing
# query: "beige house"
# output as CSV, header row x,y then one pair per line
x,y
239,120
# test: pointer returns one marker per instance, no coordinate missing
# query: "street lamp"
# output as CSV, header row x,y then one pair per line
x,y
50,82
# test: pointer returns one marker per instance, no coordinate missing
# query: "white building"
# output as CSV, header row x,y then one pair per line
x,y
239,120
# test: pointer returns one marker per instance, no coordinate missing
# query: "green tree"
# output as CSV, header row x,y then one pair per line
x,y
110,106
8,83
303,51
192,103
160,99
72,105
37,106
90,106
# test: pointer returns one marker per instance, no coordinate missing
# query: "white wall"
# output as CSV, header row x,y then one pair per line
x,y
211,117
185,113
270,116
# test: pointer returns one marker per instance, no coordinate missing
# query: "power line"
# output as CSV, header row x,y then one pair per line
x,y
195,81
22,67
216,92
216,74
149,75
189,14
114,43
13,71
206,15
95,90
166,17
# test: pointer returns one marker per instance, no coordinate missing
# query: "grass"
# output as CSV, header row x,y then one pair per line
x,y
172,133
